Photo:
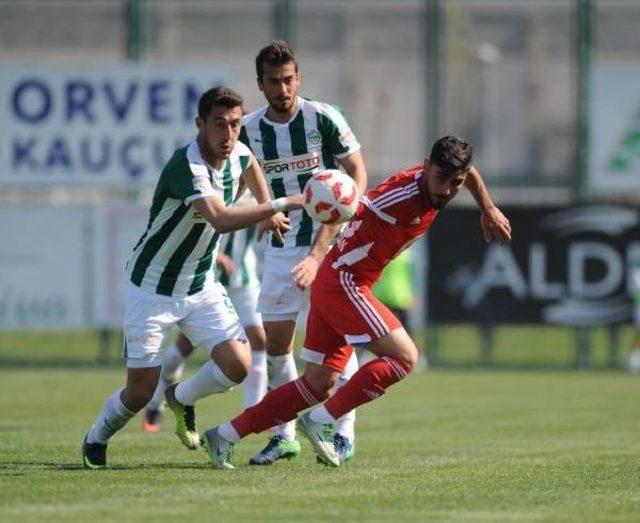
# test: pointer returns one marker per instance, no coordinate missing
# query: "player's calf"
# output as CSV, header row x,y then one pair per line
x,y
368,384
141,384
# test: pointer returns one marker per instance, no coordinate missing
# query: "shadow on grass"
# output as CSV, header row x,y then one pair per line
x,y
58,363
16,468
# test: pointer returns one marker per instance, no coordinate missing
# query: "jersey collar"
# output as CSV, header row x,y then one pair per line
x,y
299,103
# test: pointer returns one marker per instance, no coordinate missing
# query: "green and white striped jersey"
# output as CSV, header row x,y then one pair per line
x,y
175,254
290,153
240,246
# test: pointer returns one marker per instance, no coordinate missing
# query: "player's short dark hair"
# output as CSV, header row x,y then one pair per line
x,y
277,53
451,155
218,96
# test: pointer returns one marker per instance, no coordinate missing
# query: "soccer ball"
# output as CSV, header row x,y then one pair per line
x,y
330,196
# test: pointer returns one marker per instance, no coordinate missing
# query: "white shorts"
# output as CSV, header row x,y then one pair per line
x,y
207,318
245,301
280,299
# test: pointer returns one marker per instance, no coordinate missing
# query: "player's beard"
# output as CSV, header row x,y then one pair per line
x,y
436,202
439,203
282,107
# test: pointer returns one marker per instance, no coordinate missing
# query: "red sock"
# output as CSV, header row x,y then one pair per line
x,y
278,406
367,384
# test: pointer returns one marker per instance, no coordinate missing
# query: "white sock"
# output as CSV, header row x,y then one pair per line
x,y
321,415
346,424
113,417
209,379
227,431
281,370
255,384
172,368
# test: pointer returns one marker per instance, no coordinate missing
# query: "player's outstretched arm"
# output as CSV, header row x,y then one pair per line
x,y
305,272
227,219
253,177
354,167
495,225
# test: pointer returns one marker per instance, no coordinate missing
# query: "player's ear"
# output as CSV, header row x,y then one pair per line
x,y
200,123
260,84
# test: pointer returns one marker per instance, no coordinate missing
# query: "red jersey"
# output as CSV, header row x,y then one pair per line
x,y
389,218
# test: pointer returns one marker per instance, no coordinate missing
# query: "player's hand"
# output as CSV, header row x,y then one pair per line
x,y
277,224
305,272
495,225
225,264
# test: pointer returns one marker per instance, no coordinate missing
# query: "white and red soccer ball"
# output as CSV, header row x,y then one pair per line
x,y
330,196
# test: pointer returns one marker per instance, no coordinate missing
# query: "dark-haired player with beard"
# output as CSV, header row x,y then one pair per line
x,y
344,313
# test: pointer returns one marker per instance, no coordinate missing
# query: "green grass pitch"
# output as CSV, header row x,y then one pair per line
x,y
441,446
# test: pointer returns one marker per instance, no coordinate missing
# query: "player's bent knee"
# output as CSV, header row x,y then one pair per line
x,y
236,370
398,345
409,358
321,380
234,359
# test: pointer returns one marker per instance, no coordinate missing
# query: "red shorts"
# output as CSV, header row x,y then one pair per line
x,y
342,314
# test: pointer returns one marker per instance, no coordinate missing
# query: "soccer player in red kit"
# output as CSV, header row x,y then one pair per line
x,y
344,313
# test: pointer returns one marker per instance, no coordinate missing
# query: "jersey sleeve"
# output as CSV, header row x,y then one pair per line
x,y
394,200
191,180
336,132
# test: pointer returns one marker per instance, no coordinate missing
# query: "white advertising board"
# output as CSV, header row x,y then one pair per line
x,y
118,228
44,278
614,164
109,125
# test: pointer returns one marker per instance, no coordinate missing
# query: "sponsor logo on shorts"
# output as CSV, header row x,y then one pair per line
x,y
145,340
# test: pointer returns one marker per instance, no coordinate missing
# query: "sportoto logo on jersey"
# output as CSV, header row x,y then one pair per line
x,y
299,163
570,267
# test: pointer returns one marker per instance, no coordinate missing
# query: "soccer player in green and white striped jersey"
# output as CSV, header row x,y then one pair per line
x,y
293,138
170,281
237,266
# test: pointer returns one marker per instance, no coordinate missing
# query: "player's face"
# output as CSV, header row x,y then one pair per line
x,y
220,130
441,189
280,87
